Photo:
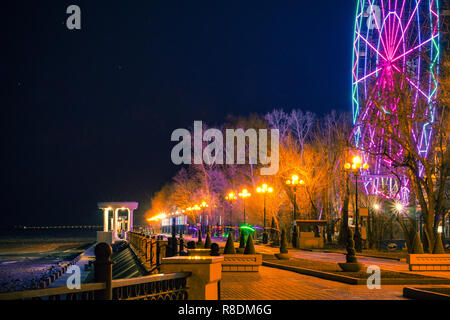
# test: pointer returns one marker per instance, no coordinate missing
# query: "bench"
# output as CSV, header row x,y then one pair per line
x,y
429,262
241,262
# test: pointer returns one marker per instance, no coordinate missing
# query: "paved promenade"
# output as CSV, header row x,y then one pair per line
x,y
276,284
387,264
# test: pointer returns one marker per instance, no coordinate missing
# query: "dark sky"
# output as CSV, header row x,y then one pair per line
x,y
87,115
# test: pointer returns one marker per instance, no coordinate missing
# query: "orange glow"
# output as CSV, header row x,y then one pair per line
x,y
158,217
356,160
264,188
244,194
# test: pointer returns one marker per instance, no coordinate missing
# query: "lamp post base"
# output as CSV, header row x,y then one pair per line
x,y
265,238
358,241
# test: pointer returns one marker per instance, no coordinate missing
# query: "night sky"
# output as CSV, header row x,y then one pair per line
x,y
87,114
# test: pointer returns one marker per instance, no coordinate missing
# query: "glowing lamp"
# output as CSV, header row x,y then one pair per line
x,y
244,194
399,207
356,160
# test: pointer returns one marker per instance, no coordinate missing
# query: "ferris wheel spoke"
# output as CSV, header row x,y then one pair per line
x,y
412,83
367,76
393,52
399,25
386,26
415,48
371,46
407,25
412,15
378,27
402,10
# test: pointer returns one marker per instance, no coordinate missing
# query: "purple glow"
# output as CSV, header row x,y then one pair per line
x,y
396,43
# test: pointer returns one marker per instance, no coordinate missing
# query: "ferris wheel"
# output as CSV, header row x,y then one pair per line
x,y
392,36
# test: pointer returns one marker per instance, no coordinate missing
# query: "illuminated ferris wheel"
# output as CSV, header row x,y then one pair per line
x,y
392,36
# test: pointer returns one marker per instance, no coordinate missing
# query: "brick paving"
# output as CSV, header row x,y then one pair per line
x,y
276,284
386,264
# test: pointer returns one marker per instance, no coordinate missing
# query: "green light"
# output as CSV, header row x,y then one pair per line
x,y
247,227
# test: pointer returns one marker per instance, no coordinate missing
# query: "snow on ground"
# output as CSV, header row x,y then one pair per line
x,y
24,263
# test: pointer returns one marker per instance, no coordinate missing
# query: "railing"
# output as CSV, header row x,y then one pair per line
x,y
161,287
149,251
170,286
155,287
86,292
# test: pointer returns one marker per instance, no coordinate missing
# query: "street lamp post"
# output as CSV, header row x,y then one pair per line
x,y
204,205
293,182
231,197
356,166
264,189
197,208
244,194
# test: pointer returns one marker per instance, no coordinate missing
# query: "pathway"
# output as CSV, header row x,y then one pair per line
x,y
276,284
387,264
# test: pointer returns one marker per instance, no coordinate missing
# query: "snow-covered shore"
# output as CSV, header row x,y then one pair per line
x,y
25,263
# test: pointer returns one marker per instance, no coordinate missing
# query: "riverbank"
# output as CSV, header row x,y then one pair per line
x,y
27,258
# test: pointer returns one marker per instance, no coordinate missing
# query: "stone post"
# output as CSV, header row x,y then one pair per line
x,y
103,269
206,273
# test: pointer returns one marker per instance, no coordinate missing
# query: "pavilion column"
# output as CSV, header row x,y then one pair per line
x,y
116,216
105,220
130,220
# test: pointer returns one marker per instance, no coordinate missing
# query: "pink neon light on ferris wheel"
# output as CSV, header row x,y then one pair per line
x,y
394,41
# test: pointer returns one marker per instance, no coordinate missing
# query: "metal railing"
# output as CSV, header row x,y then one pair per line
x,y
161,287
155,287
170,286
86,292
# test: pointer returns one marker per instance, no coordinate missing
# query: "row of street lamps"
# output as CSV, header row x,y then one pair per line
x,y
356,167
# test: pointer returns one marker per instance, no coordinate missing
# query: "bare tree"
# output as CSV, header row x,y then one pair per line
x,y
403,123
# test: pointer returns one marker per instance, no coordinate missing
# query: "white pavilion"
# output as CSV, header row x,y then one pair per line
x,y
114,224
